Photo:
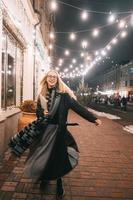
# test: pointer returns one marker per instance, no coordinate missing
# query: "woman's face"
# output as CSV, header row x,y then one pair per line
x,y
52,79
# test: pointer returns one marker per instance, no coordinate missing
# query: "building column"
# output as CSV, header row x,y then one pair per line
x,y
1,17
28,73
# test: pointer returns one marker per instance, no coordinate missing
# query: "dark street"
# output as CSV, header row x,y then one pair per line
x,y
105,170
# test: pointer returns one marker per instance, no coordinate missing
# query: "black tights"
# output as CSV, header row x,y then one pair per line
x,y
59,182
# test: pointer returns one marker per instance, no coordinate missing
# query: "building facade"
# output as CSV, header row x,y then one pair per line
x,y
24,57
119,80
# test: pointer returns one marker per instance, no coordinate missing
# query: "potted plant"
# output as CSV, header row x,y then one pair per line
x,y
28,108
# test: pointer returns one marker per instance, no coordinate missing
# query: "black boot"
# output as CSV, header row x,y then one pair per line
x,y
43,184
59,190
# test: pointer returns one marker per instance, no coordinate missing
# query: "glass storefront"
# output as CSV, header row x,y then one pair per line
x,y
12,64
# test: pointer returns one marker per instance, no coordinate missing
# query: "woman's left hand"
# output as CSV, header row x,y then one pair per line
x,y
98,122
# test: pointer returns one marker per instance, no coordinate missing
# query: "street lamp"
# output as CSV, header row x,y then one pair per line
x,y
84,45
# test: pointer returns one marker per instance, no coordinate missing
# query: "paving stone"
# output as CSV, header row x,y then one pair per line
x,y
104,172
19,195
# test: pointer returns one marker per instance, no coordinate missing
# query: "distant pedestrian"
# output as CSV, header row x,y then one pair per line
x,y
124,103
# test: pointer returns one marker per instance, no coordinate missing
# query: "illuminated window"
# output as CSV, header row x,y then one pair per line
x,y
11,71
131,82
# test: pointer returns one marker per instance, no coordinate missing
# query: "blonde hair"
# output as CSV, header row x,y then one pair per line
x,y
61,86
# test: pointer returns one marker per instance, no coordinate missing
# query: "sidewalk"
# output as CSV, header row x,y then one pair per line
x,y
105,170
130,103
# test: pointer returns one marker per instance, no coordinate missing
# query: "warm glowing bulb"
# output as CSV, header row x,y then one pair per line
x,y
60,64
82,54
99,58
60,60
96,53
114,41
123,34
50,46
72,36
122,24
73,60
67,53
95,32
53,5
111,18
88,58
103,53
84,44
51,35
66,70
84,15
108,47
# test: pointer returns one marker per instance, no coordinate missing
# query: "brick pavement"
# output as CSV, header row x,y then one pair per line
x,y
105,170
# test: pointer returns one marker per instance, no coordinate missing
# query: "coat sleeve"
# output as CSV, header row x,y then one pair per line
x,y
39,109
80,110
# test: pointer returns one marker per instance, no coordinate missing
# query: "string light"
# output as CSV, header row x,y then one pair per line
x,y
108,47
53,5
51,35
84,15
74,61
122,24
96,53
88,58
123,34
111,18
91,29
84,44
60,64
50,46
95,32
66,70
72,36
82,54
60,60
114,41
99,58
67,53
94,11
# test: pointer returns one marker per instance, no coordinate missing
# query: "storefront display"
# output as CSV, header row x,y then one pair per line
x,y
11,64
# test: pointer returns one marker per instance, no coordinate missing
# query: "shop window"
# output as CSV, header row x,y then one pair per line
x,y
10,93
125,83
3,71
131,82
9,72
3,82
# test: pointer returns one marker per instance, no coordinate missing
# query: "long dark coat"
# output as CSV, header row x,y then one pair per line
x,y
57,162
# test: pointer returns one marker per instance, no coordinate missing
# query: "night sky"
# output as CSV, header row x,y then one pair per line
x,y
67,19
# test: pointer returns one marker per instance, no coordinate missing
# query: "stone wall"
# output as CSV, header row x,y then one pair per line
x,y
8,127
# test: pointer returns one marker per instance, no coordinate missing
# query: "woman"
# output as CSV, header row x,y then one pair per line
x,y
55,152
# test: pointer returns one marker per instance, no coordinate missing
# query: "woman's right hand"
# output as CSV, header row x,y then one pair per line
x,y
45,112
98,122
